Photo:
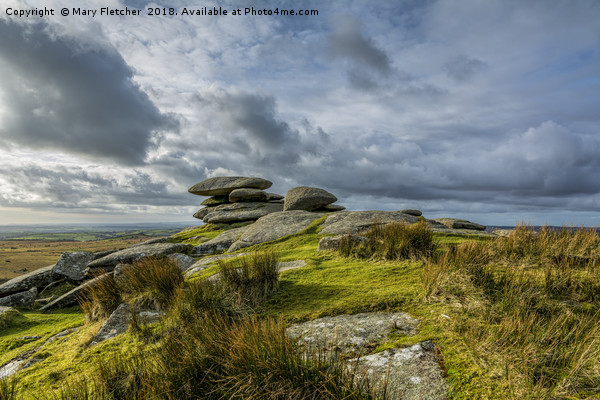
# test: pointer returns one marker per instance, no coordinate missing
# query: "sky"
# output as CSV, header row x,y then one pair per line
x,y
484,110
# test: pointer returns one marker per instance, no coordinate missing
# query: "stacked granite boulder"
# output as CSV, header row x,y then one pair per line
x,y
240,199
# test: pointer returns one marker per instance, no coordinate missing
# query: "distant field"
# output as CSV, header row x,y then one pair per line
x,y
27,253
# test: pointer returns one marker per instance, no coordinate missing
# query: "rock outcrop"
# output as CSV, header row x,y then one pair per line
x,y
454,223
220,243
22,299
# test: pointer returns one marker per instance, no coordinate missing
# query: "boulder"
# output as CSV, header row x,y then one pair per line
x,y
331,243
222,186
182,260
238,195
274,226
71,297
39,278
416,213
307,198
238,212
219,243
73,264
22,299
409,373
356,221
454,223
215,201
135,253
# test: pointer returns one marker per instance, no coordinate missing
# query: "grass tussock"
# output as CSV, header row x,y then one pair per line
x,y
529,305
100,298
393,241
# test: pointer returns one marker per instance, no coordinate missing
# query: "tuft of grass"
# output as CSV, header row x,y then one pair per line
x,y
153,279
392,241
252,278
100,299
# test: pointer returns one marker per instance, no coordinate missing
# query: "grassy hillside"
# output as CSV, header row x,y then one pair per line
x,y
515,317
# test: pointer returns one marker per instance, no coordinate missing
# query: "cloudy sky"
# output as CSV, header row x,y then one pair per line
x,y
487,110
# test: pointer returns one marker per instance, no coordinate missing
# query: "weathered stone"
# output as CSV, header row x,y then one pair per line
x,y
201,213
182,260
22,299
274,226
416,213
307,198
135,253
411,373
118,322
454,223
243,195
219,243
330,243
71,297
356,221
289,265
274,196
39,278
351,334
221,186
215,201
73,264
228,214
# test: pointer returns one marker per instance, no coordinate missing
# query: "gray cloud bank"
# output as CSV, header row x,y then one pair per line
x,y
61,95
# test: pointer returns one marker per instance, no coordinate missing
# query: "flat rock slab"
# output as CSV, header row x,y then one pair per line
x,y
238,212
289,265
333,243
413,373
274,226
219,243
40,278
242,195
132,254
351,334
356,221
182,260
221,186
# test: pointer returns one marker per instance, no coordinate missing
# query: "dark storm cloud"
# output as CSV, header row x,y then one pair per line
x,y
73,97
